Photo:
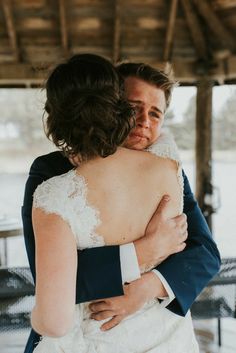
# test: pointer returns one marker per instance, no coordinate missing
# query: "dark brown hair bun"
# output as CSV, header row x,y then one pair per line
x,y
86,112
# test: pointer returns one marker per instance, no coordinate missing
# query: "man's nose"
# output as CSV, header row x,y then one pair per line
x,y
142,119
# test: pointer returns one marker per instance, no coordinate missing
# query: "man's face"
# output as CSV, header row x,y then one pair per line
x,y
149,103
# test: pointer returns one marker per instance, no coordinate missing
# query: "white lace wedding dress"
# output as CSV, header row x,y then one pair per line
x,y
153,329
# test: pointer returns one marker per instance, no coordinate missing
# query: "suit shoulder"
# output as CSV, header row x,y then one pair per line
x,y
47,158
50,164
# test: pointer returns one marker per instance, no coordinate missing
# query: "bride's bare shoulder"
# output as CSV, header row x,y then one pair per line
x,y
145,160
150,160
161,164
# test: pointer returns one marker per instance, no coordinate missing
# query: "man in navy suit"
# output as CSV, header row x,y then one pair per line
x,y
103,271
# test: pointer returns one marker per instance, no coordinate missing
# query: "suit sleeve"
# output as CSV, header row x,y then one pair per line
x,y
189,271
99,272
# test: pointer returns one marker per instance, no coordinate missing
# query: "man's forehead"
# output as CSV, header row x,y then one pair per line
x,y
138,83
134,85
141,92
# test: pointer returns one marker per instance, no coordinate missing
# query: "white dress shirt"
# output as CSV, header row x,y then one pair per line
x,y
130,270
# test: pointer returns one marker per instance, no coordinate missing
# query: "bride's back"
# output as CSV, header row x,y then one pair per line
x,y
126,188
88,117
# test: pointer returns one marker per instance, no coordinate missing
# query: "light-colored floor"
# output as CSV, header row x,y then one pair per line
x,y
13,341
206,332
207,336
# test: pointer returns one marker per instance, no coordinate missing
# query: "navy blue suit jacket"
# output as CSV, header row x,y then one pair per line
x,y
99,273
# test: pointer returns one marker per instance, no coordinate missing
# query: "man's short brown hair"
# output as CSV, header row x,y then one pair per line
x,y
150,75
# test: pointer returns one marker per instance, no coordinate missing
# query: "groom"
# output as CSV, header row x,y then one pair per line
x,y
104,272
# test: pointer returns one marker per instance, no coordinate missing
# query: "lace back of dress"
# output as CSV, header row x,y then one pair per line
x,y
166,147
66,196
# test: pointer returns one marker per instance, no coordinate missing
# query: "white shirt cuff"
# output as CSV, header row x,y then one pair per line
x,y
129,263
171,296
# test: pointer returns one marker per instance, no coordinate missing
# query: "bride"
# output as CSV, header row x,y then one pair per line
x,y
108,200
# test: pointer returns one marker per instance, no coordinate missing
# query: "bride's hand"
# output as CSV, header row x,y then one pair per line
x,y
136,294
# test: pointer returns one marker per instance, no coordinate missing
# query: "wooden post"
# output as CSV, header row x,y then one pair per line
x,y
117,32
7,9
204,147
170,31
63,26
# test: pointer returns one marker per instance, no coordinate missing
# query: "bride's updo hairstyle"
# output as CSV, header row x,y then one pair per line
x,y
87,115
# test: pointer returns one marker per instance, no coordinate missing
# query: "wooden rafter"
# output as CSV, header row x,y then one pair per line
x,y
22,73
116,37
216,24
170,30
11,28
222,4
11,73
195,30
63,26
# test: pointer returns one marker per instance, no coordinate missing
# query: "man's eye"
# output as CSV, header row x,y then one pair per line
x,y
155,115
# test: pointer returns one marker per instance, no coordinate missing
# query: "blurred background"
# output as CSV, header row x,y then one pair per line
x,y
196,40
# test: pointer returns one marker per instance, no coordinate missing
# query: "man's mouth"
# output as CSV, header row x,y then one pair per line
x,y
138,135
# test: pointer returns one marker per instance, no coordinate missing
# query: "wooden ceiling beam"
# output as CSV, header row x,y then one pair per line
x,y
216,24
222,4
7,10
195,30
170,31
18,73
117,30
63,27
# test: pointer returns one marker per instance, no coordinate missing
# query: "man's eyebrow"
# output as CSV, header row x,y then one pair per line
x,y
140,102
157,109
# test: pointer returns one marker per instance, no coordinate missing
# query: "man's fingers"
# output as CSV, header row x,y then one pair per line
x,y
163,203
99,306
161,206
112,323
181,247
184,228
102,315
181,219
184,236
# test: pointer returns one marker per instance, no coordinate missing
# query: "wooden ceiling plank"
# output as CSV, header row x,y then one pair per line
x,y
7,9
170,31
216,24
195,29
63,26
223,4
15,73
117,30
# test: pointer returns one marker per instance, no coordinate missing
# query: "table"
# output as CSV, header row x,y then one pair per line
x,y
9,227
218,299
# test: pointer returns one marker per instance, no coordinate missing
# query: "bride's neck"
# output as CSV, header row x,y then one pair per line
x,y
97,160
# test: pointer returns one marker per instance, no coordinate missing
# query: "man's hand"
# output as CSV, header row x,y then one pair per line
x,y
163,237
136,294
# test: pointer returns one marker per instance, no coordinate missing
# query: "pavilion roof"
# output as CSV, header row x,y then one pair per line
x,y
197,37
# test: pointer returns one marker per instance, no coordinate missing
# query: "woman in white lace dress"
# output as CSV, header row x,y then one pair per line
x,y
109,199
